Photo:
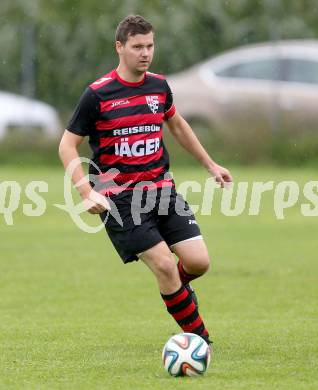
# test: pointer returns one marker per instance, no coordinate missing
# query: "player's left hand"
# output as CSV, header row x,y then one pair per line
x,y
221,175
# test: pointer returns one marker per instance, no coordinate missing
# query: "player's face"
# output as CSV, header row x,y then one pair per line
x,y
137,52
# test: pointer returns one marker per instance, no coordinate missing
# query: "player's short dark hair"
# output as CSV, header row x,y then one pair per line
x,y
130,26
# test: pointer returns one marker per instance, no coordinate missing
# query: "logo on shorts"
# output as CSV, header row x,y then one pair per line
x,y
192,222
153,103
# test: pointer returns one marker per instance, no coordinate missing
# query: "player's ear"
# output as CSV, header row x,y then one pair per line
x,y
119,47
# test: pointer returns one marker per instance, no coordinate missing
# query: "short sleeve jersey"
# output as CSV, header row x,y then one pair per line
x,y
124,122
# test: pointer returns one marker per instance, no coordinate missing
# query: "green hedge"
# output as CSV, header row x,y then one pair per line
x,y
279,149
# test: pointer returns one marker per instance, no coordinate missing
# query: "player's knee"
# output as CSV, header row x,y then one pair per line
x,y
199,265
204,264
166,268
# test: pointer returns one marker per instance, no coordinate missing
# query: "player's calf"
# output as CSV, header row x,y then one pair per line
x,y
185,312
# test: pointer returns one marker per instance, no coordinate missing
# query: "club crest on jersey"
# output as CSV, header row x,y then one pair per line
x,y
153,103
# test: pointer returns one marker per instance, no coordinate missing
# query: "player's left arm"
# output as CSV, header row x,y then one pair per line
x,y
185,136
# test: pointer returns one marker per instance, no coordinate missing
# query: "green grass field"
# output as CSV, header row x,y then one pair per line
x,y
68,307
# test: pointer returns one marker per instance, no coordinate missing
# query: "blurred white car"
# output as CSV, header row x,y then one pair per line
x,y
270,86
24,113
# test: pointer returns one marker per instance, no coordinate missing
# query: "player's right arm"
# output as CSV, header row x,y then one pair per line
x,y
80,126
94,202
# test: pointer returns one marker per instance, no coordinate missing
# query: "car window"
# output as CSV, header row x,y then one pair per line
x,y
302,71
267,69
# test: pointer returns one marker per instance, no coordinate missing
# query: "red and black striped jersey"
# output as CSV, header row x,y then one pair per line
x,y
124,122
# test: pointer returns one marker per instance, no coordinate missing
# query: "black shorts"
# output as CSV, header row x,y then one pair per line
x,y
143,218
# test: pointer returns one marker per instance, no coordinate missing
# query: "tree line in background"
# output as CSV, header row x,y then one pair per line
x,y
52,49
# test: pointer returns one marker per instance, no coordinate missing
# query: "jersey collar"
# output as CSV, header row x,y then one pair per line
x,y
128,83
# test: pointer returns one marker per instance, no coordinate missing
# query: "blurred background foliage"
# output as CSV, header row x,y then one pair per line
x,y
71,43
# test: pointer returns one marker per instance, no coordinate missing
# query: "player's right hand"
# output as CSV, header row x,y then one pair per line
x,y
96,203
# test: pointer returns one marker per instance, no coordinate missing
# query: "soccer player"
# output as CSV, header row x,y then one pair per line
x,y
123,114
